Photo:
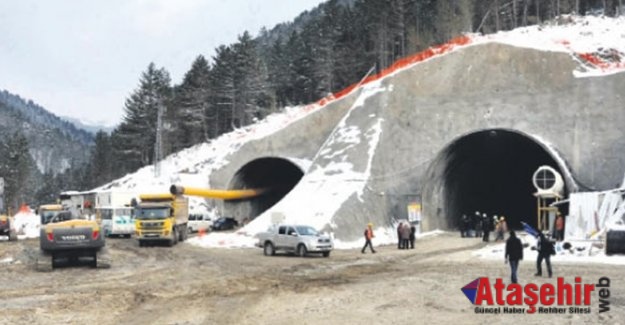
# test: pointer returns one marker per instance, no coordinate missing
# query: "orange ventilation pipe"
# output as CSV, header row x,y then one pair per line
x,y
216,194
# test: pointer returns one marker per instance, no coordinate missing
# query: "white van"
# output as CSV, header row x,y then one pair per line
x,y
117,221
199,222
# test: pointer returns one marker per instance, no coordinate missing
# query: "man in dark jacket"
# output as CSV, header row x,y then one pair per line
x,y
487,227
545,250
514,254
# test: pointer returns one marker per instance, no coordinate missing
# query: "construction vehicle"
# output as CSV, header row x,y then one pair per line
x,y
161,217
49,211
68,236
6,227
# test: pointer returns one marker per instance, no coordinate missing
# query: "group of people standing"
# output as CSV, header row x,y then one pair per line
x,y
405,235
480,225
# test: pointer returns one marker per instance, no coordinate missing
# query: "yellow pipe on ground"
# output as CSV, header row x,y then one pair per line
x,y
216,194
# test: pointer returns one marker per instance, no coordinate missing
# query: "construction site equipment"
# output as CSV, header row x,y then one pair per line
x,y
6,227
66,236
49,211
161,217
549,187
216,194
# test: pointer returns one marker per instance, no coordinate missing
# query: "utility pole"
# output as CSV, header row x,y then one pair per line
x,y
158,146
1,194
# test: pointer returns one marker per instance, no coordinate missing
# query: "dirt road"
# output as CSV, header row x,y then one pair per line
x,y
191,285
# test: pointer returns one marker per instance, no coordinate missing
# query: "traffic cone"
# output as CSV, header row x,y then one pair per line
x,y
24,208
201,232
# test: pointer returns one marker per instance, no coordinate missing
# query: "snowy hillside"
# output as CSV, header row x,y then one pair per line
x,y
597,43
193,166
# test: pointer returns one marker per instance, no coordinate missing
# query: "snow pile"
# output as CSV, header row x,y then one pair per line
x,y
598,43
224,240
26,224
579,252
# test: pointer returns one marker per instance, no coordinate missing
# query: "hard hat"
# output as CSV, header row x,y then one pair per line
x,y
370,224
502,218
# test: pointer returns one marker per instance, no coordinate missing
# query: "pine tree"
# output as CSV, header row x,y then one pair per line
x,y
192,99
100,165
301,70
223,96
278,74
250,78
137,132
17,168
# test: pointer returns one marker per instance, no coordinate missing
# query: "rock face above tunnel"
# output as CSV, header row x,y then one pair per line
x,y
389,149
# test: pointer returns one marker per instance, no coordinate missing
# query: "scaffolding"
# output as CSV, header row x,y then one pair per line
x,y
547,210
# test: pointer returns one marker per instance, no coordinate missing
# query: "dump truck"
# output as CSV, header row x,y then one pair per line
x,y
161,218
71,237
7,227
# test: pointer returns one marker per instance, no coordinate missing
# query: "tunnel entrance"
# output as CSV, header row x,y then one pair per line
x,y
491,172
278,175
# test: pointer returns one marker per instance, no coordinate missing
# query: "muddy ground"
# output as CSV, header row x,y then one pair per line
x,y
192,285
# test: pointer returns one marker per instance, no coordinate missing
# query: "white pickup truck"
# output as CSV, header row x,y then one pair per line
x,y
298,239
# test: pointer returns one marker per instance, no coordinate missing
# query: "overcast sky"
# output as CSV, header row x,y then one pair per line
x,y
83,58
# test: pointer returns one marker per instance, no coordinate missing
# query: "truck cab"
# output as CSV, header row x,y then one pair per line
x,y
161,218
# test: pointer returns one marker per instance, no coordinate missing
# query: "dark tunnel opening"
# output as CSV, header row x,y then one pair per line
x,y
277,175
491,172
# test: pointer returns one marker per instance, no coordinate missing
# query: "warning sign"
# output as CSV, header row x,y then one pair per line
x,y
414,212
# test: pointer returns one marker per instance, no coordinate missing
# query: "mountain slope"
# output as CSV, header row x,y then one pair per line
x,y
55,144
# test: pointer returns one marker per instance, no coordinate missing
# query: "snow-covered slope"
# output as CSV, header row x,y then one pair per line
x,y
597,43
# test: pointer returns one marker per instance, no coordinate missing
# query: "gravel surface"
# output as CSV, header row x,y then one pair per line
x,y
190,285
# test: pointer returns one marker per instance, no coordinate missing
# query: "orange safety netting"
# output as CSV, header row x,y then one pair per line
x,y
593,59
399,64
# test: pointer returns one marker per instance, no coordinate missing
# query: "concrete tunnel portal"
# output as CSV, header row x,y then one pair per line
x,y
278,175
491,171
